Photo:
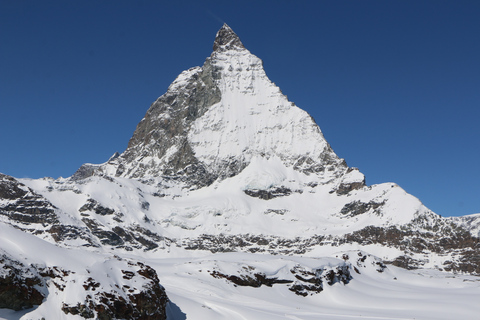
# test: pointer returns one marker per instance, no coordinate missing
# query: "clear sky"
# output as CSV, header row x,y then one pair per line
x,y
394,85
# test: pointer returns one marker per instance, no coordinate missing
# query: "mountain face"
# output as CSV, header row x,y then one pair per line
x,y
222,162
215,119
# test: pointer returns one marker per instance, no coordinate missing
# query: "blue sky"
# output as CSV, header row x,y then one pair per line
x,y
394,85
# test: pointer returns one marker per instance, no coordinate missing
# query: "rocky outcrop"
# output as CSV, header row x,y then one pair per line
x,y
301,280
147,302
137,294
24,207
162,133
452,244
356,208
11,189
227,40
268,194
21,286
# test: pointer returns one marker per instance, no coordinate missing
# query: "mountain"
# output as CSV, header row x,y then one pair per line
x,y
214,120
223,181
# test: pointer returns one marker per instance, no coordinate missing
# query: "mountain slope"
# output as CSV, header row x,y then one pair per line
x,y
223,162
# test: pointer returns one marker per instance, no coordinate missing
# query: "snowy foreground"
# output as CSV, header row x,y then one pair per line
x,y
393,293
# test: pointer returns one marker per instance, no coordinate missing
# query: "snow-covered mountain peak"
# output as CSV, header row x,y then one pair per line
x,y
254,118
223,162
214,119
227,39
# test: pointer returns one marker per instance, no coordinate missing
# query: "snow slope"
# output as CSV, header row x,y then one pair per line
x,y
225,208
392,294
195,293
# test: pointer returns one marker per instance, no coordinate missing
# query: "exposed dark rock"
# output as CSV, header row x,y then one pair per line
x,y
356,208
61,233
405,262
304,281
19,285
226,39
145,205
122,233
93,205
328,162
311,281
25,207
85,171
256,280
302,289
362,260
269,193
252,243
449,238
165,126
135,239
82,310
148,304
106,237
345,188
10,188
